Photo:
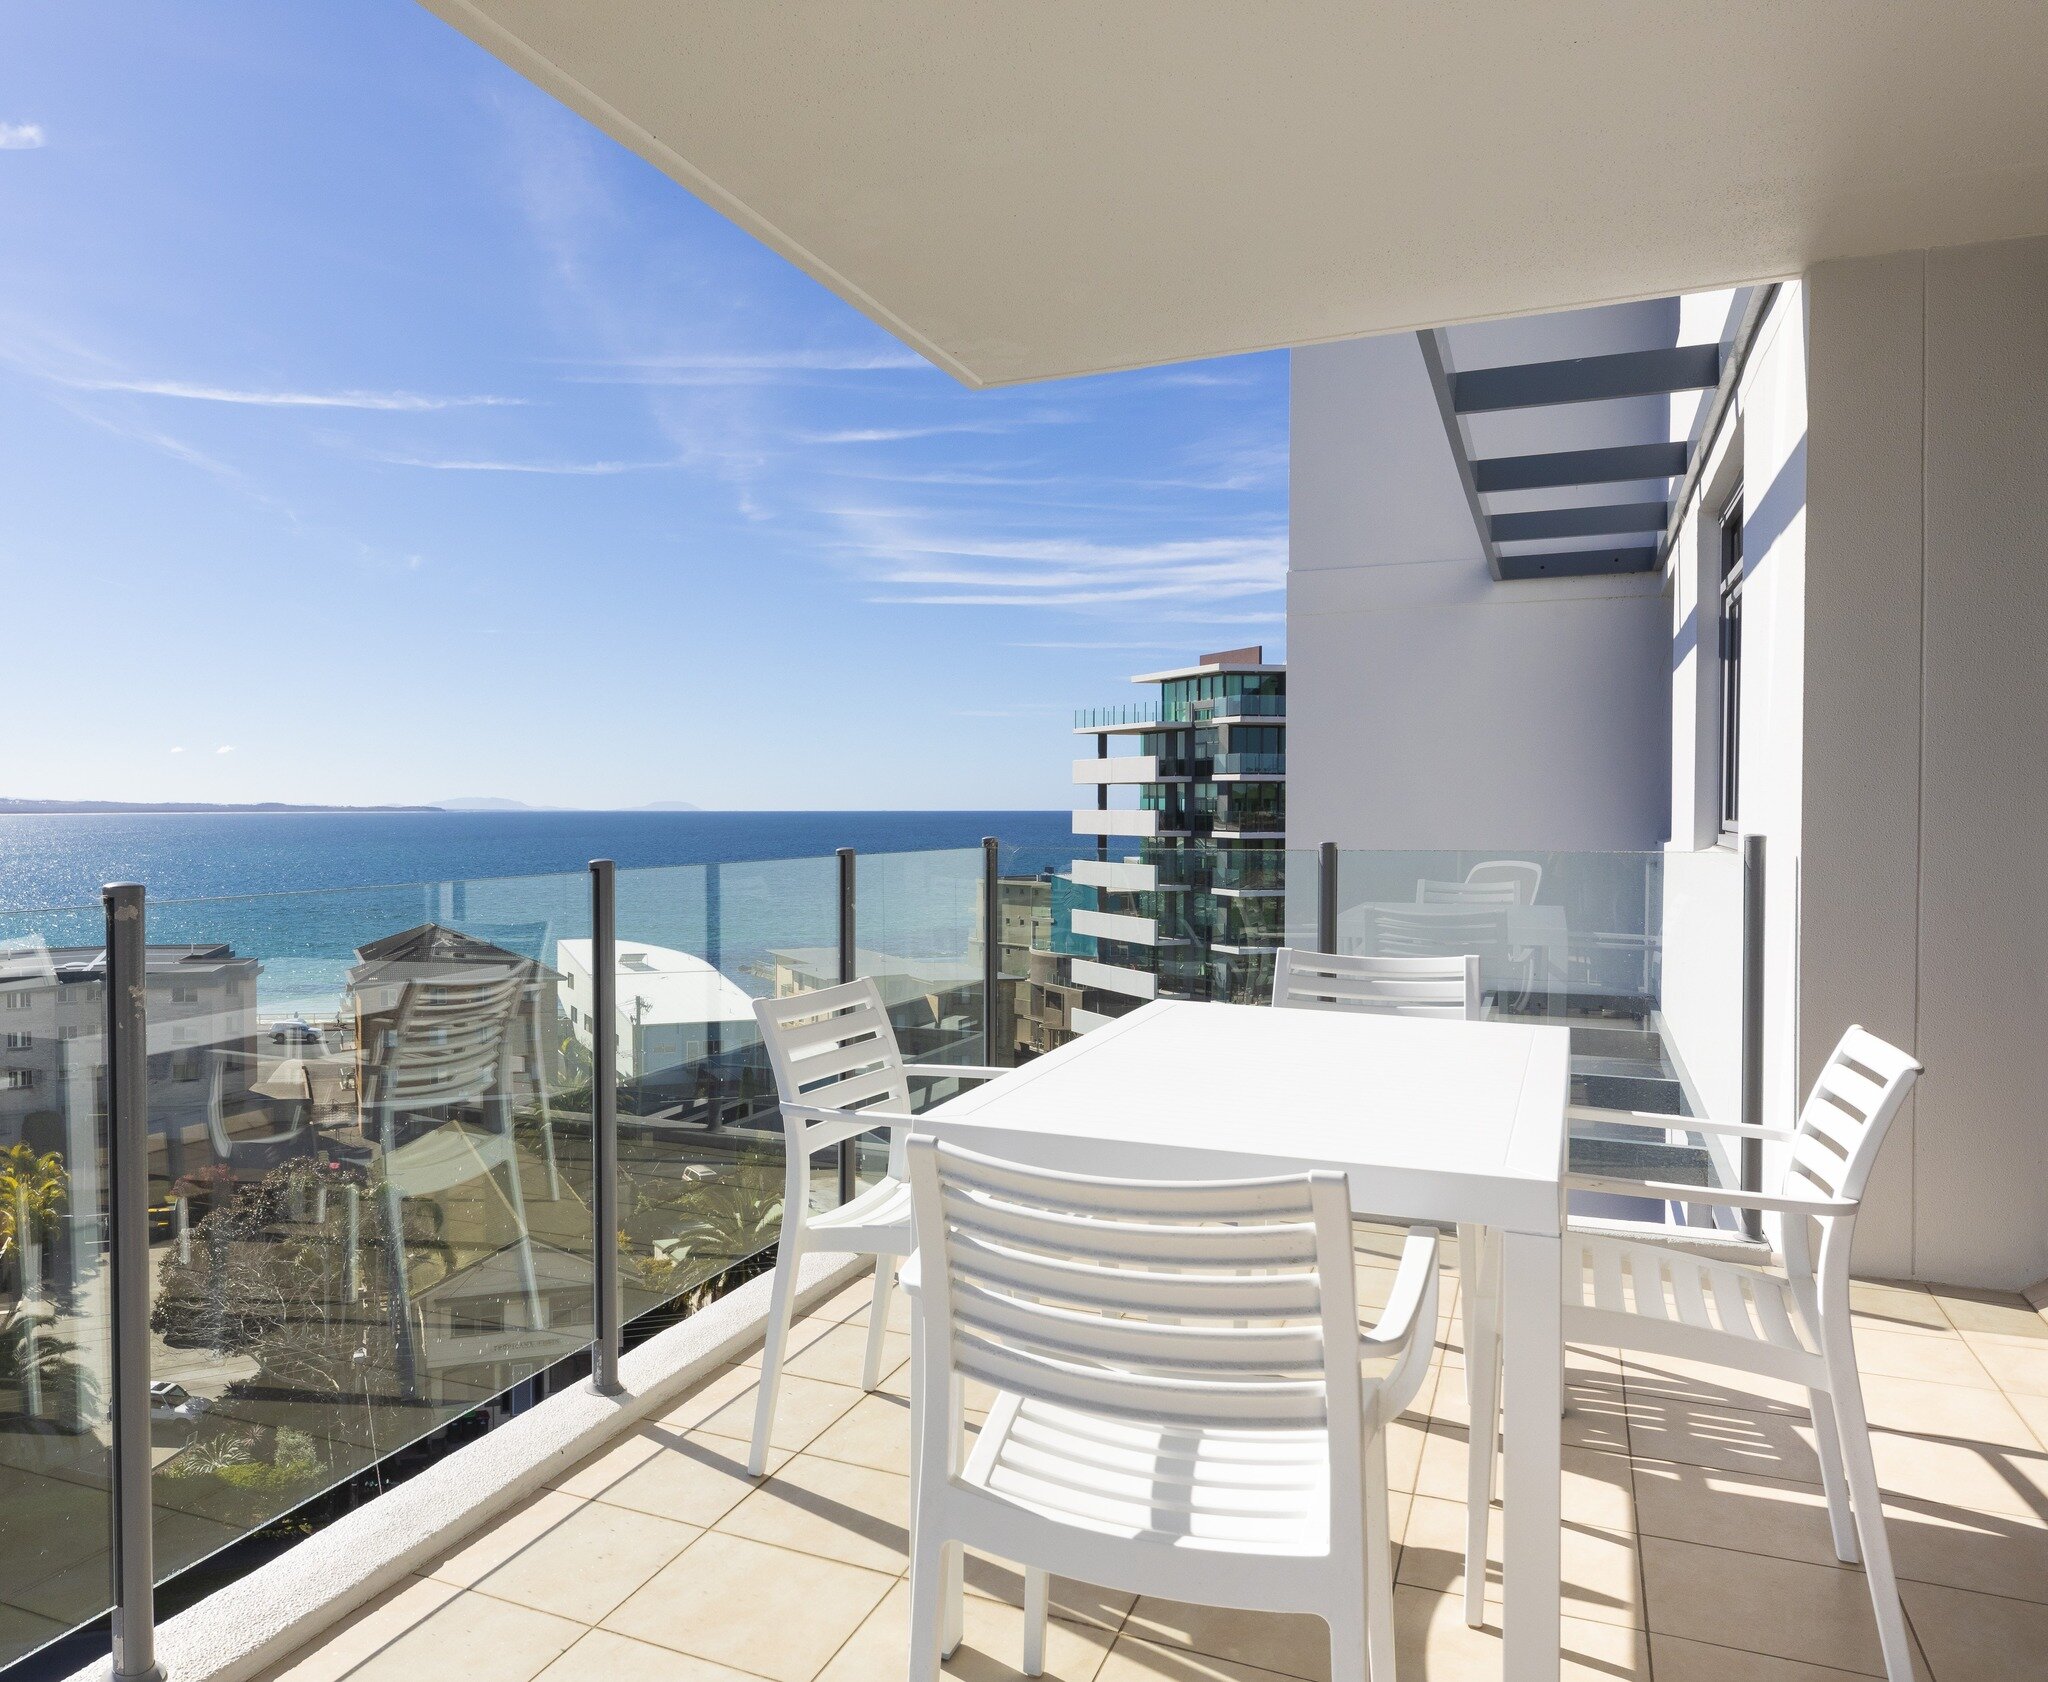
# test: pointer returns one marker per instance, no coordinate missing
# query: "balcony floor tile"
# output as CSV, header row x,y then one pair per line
x,y
1696,1536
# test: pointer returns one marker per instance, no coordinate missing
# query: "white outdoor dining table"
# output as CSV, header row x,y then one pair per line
x,y
1431,1120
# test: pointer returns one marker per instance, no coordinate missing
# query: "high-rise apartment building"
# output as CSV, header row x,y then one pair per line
x,y
1184,895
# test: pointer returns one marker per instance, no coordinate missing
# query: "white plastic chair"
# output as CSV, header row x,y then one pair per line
x,y
450,1043
1180,1408
1429,892
1794,1326
1434,986
838,1074
1443,986
1525,874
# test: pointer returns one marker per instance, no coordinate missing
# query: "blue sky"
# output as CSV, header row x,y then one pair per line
x,y
371,428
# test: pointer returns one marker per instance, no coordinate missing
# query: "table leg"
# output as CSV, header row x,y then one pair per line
x,y
1532,1398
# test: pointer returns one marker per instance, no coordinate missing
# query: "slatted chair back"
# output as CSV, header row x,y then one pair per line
x,y
1212,1306
1434,986
450,1041
1428,892
1854,1100
1525,874
833,1048
1439,931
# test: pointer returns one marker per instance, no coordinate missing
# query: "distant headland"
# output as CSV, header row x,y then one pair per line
x,y
10,807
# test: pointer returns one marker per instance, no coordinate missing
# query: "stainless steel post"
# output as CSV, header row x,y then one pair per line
x,y
991,950
1326,897
604,1126
849,962
127,979
1752,1166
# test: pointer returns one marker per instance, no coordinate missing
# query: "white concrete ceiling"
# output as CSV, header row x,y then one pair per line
x,y
1022,191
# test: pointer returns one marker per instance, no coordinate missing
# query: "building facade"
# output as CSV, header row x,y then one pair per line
x,y
1184,895
1789,593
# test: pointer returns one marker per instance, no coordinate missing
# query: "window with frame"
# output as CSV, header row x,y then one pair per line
x,y
1733,577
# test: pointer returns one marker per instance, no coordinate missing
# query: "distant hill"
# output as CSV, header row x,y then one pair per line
x,y
83,807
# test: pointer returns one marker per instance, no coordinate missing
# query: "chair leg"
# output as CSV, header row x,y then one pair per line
x,y
878,1321
1868,1503
928,1560
1350,1640
1828,1444
774,1344
1482,1408
954,1577
1037,1595
1378,1657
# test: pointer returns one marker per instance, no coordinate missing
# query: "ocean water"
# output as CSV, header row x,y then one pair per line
x,y
303,892
63,861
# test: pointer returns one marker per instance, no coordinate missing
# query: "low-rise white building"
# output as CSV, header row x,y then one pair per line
x,y
674,1008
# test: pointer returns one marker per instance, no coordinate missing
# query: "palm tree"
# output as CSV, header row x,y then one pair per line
x,y
731,1213
33,1190
34,1187
46,1364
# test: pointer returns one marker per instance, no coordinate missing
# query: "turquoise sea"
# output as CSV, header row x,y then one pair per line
x,y
303,892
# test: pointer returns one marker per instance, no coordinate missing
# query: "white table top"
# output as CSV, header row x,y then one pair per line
x,y
1433,1120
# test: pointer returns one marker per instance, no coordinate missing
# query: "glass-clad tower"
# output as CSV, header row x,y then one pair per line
x,y
1184,896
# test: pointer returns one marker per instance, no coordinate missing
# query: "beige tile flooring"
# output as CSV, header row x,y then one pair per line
x,y
1695,1544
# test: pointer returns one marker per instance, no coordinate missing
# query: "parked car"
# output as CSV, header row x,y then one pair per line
x,y
295,1030
171,1403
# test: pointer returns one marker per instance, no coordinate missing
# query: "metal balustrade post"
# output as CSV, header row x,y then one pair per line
x,y
1326,897
127,1046
1752,1165
991,948
849,964
604,1127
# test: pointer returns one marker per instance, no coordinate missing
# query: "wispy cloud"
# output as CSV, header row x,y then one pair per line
x,y
22,137
740,368
940,571
1037,710
177,750
896,434
224,749
943,478
1198,379
576,469
404,402
1115,644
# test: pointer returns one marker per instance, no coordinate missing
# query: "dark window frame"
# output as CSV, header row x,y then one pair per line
x,y
1733,578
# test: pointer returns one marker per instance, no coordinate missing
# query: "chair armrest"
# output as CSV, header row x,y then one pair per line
x,y
1414,1285
962,1071
1678,1123
852,1123
1665,1191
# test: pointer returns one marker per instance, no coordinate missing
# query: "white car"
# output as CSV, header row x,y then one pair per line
x,y
171,1403
295,1030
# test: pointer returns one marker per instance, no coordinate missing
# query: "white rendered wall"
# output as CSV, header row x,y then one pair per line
x,y
1761,449
1926,712
1429,704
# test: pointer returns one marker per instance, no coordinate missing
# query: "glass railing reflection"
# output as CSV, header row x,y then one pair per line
x,y
55,1504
